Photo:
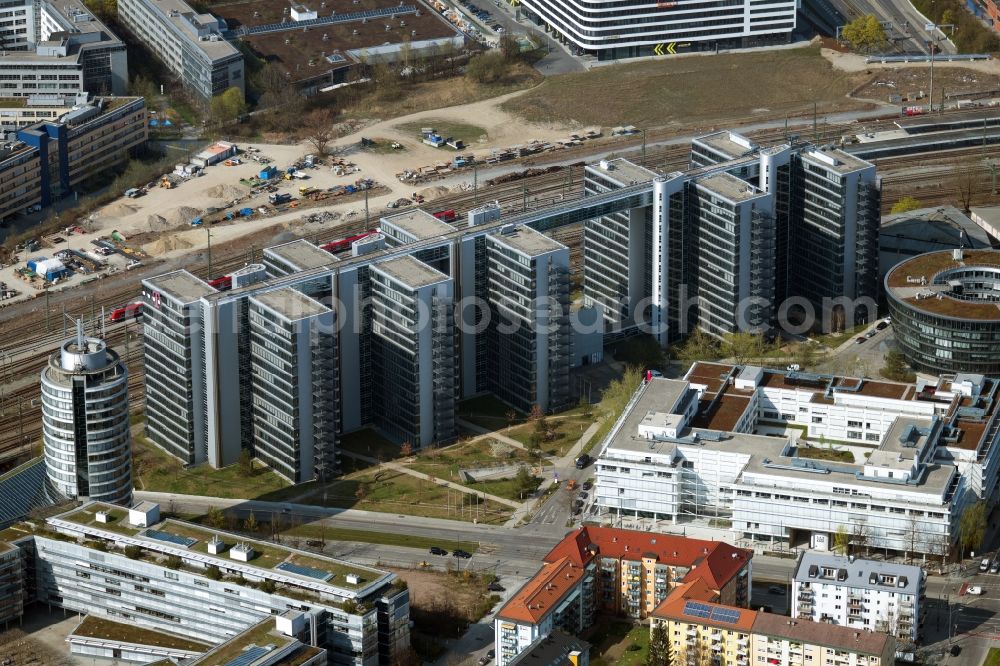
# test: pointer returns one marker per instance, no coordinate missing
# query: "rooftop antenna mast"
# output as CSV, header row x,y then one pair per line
x,y
79,335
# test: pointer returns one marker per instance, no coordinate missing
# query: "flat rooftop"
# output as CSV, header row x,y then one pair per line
x,y
418,223
528,241
217,50
730,187
72,13
290,303
259,635
835,160
723,142
301,254
624,172
98,627
903,282
180,285
268,556
410,271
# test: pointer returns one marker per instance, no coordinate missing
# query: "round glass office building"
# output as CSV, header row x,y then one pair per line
x,y
945,309
85,422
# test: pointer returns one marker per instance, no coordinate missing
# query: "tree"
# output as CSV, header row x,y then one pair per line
x,y
246,463
406,448
228,106
905,204
860,536
585,407
536,413
212,572
133,552
896,368
841,540
659,645
488,67
319,129
173,562
250,524
215,518
967,181
510,49
699,346
807,355
865,33
361,491
745,347
511,416
524,481
972,526
267,586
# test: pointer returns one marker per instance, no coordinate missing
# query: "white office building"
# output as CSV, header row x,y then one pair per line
x,y
866,595
611,30
197,583
86,432
715,445
190,44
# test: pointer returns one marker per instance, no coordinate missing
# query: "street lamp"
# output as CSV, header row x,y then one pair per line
x,y
931,27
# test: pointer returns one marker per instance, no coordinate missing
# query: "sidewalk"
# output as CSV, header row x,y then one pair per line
x,y
427,477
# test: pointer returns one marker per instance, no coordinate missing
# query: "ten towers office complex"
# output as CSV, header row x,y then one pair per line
x,y
85,422
425,314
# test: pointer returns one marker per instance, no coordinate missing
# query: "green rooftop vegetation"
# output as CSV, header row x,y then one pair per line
x,y
260,634
96,627
13,102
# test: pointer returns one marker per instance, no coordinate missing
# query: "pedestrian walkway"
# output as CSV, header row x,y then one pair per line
x,y
484,433
399,467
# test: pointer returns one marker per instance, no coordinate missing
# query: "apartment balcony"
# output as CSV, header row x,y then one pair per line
x,y
854,602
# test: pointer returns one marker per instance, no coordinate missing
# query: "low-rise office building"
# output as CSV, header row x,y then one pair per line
x,y
59,48
79,145
865,595
190,44
619,572
699,447
186,580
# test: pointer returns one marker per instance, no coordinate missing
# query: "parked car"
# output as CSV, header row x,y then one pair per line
x,y
955,650
860,340
995,567
776,589
496,587
583,461
871,334
437,550
881,326
582,494
491,653
794,367
984,566
975,590
462,554
588,484
484,660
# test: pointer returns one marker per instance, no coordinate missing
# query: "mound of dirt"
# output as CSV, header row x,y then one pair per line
x,y
157,222
225,191
120,209
284,237
166,244
434,192
181,215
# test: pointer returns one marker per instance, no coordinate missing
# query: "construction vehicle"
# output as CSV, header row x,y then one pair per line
x,y
275,199
306,190
571,484
166,183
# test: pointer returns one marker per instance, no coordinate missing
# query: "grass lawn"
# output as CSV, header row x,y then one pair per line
x,y
383,146
823,453
834,340
503,488
321,532
568,430
444,463
992,657
488,412
157,471
619,643
465,132
389,491
438,94
655,93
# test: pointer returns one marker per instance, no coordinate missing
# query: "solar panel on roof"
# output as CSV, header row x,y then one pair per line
x,y
184,542
248,656
727,615
697,609
305,571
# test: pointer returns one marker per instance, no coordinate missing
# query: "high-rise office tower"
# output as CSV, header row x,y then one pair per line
x,y
529,333
85,421
413,351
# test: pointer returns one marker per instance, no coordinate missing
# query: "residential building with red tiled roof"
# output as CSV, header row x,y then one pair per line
x,y
702,630
618,572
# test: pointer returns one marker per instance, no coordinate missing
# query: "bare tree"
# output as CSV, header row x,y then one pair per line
x,y
913,539
860,536
967,181
320,130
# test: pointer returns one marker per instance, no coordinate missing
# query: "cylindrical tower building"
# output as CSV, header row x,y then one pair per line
x,y
85,422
